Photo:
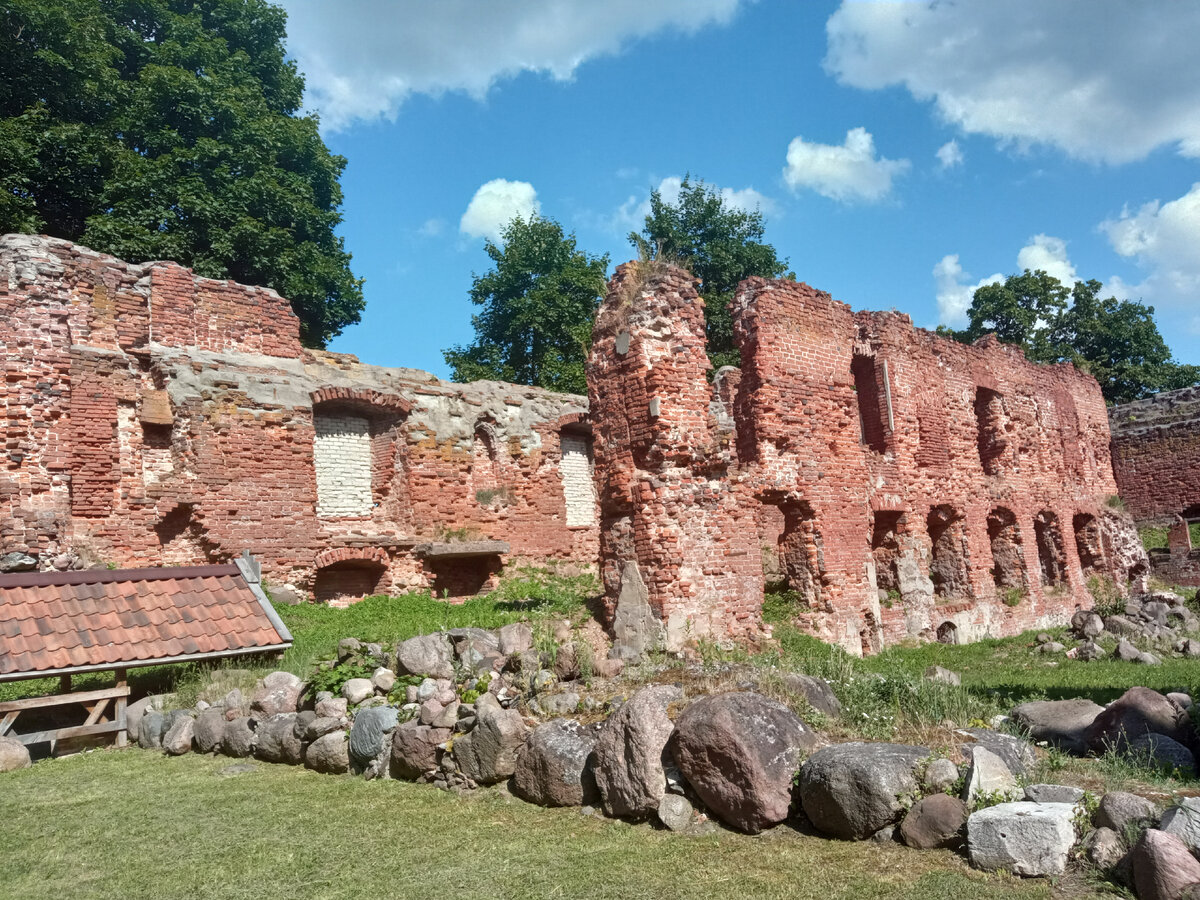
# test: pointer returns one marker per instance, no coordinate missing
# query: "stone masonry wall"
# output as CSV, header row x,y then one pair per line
x,y
904,485
152,417
1156,455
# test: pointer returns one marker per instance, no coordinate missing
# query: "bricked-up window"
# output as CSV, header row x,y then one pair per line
x,y
342,459
347,582
885,547
575,469
870,413
485,459
949,564
991,437
1088,543
1008,562
1052,558
801,554
933,439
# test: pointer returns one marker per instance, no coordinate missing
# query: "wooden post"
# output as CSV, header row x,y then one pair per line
x,y
64,684
122,725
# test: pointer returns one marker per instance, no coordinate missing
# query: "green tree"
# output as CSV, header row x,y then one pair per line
x,y
539,301
720,244
1116,341
168,129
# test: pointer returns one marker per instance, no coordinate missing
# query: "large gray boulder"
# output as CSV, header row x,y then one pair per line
x,y
430,655
515,638
989,777
1061,723
136,710
356,690
1183,821
150,730
277,740
238,739
1023,838
1162,866
934,822
554,768
740,753
13,755
1161,752
415,749
488,752
370,736
209,730
178,738
816,692
1136,712
1087,624
329,753
629,753
636,629
853,790
1120,811
1017,754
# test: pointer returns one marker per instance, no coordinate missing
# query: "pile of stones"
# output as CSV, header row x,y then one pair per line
x,y
467,708
1160,618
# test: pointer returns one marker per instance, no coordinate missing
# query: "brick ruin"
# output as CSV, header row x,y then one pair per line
x,y
902,484
151,417
1156,459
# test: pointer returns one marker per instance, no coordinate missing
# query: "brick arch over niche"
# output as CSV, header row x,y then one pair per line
x,y
346,575
361,397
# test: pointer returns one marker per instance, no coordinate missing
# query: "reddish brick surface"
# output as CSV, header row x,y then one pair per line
x,y
908,485
1156,455
151,417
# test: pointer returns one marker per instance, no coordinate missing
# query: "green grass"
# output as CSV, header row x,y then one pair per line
x,y
136,825
1155,536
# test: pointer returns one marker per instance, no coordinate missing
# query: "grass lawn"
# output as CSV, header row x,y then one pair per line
x,y
134,824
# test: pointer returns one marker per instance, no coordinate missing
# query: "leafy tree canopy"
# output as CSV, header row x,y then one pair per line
x,y
719,243
168,129
1116,341
539,301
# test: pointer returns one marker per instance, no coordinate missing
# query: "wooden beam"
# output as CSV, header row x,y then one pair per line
x,y
120,718
58,734
96,711
62,699
7,722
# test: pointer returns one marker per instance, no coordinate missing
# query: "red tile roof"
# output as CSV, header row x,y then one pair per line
x,y
56,622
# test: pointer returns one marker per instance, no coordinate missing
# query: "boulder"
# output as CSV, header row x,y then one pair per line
x,y
1053,793
1104,848
238,739
209,730
1136,712
329,753
277,740
271,701
1120,811
1183,821
934,822
853,790
567,662
989,777
321,725
816,691
13,755
675,812
332,707
1160,752
356,690
1180,699
415,749
370,734
488,752
347,647
177,740
636,629
1089,651
16,561
1017,754
943,676
430,710
1023,838
384,679
430,655
560,704
554,768
515,638
281,679
1127,652
134,712
940,775
629,753
1162,866
1121,625
1061,723
1087,624
740,752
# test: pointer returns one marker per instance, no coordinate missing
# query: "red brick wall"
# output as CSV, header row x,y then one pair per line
x,y
84,338
1156,454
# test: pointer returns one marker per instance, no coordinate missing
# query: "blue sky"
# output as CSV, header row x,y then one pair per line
x,y
902,152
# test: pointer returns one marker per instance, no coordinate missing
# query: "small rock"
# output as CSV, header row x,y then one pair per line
x,y
1053,793
488,752
816,691
370,736
356,690
178,740
1043,638
277,741
430,655
560,704
1087,624
1023,838
1104,849
415,749
347,647
1148,659
515,638
675,812
430,710
1089,651
544,680
17,561
271,701
943,676
1120,810
238,738
1180,699
988,776
280,679
448,717
1051,647
320,726
940,775
1017,754
332,708
384,679
608,668
933,822
329,753
13,755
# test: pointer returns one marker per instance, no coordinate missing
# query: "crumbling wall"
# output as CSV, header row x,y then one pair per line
x,y
1156,455
151,417
911,486
662,463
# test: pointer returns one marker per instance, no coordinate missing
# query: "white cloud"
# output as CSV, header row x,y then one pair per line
x,y
950,155
845,173
1103,80
631,215
1164,240
362,60
432,227
953,296
495,204
1050,255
